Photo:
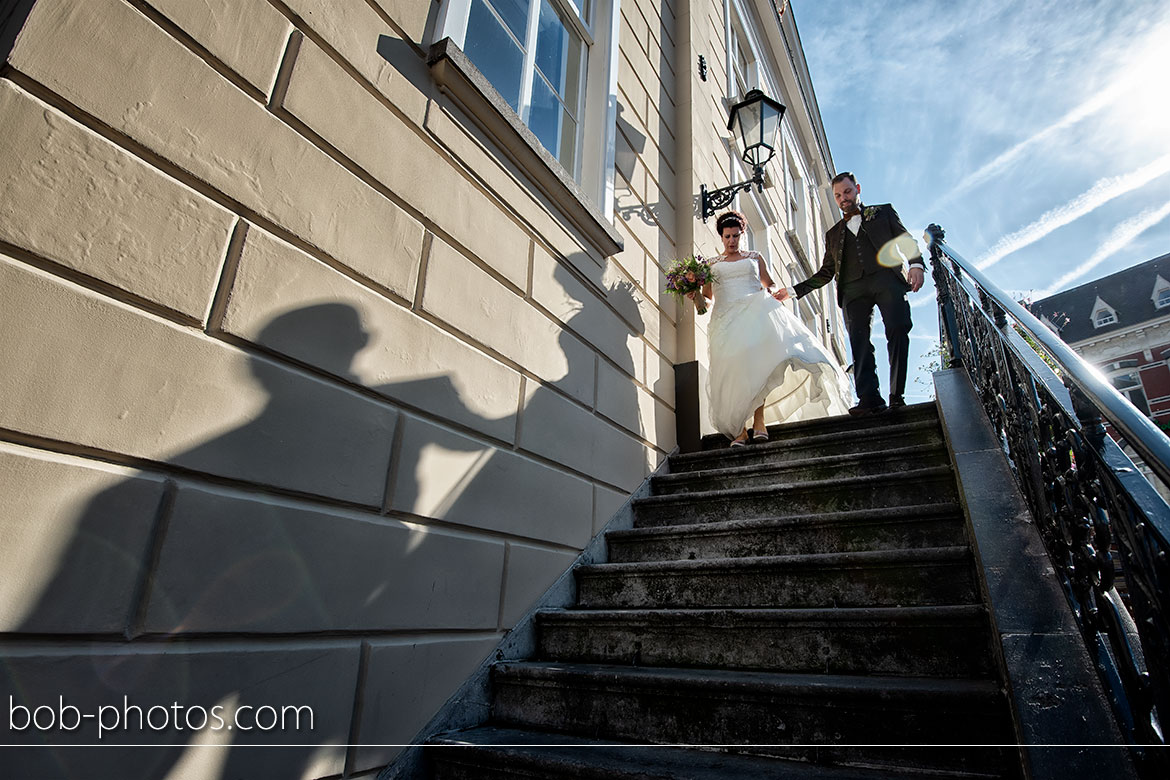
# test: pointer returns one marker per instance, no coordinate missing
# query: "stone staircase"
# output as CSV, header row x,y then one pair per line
x,y
805,608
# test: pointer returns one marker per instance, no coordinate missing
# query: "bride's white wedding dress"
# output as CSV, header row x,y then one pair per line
x,y
760,353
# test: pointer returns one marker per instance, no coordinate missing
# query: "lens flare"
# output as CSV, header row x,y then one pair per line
x,y
897,250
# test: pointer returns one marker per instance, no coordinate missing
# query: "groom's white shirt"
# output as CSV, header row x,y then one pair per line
x,y
854,223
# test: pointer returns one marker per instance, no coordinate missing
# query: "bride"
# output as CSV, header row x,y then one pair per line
x,y
763,361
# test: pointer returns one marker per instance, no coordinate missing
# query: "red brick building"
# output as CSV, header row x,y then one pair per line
x,y
1121,324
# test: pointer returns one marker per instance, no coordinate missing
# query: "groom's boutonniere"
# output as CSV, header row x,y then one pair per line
x,y
869,213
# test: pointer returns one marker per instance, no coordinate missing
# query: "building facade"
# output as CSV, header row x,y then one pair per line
x,y
1121,324
332,331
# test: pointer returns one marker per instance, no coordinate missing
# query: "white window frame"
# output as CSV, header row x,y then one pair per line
x,y
597,122
1139,384
739,27
1101,308
739,37
1161,288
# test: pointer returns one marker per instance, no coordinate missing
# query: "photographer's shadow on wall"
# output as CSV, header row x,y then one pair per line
x,y
253,572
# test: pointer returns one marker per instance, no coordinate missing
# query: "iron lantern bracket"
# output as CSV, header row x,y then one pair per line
x,y
713,200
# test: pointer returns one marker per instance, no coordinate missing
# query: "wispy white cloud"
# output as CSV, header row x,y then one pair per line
x,y
1122,236
1007,159
1098,195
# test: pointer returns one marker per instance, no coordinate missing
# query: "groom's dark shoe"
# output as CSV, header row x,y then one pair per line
x,y
897,402
866,408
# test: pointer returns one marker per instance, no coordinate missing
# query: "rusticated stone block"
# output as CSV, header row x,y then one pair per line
x,y
504,321
76,540
559,430
234,563
112,62
450,477
288,302
90,371
556,289
127,224
329,101
249,36
394,65
606,504
531,570
406,683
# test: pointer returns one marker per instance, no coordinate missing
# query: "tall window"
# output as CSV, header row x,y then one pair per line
x,y
1129,384
533,52
744,69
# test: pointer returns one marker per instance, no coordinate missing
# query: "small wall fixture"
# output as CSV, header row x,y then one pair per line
x,y
756,121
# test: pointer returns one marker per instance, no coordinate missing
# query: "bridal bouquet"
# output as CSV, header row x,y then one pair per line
x,y
688,275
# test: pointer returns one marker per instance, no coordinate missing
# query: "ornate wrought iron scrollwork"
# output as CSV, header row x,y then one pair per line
x,y
713,200
1103,524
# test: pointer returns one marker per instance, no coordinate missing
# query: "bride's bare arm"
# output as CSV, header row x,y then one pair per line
x,y
765,278
766,281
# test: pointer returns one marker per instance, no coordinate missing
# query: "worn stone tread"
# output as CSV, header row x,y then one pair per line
x,y
825,485
834,616
781,524
764,471
822,687
818,561
911,414
810,438
936,641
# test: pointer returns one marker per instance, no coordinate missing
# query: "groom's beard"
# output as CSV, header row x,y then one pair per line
x,y
851,208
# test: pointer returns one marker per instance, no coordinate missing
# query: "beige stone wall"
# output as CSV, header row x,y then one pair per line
x,y
307,393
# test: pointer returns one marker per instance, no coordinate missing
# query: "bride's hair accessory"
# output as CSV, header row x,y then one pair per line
x,y
730,219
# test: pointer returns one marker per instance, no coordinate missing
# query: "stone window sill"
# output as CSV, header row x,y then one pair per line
x,y
459,79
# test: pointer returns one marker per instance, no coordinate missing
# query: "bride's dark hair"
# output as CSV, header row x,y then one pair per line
x,y
730,219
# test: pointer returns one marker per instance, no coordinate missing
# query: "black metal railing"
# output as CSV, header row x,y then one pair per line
x,y
1103,523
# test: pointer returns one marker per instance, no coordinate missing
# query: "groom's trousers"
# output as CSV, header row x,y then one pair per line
x,y
887,292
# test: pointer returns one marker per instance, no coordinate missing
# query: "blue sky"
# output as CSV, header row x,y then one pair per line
x,y
1036,132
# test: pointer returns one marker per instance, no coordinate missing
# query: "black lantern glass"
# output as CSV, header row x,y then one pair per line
x,y
756,121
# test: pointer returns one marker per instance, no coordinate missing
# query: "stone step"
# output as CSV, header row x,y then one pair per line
x,y
841,423
929,525
496,753
922,577
859,464
724,707
948,641
812,444
904,488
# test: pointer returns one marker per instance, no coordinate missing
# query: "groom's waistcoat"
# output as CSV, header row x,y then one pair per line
x,y
858,256
848,257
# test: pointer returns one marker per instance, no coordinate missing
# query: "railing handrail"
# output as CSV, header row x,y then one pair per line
x,y
1139,431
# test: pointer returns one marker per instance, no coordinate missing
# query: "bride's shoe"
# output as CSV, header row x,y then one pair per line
x,y
760,435
741,440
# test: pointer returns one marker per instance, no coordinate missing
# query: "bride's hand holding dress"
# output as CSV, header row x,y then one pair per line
x,y
764,363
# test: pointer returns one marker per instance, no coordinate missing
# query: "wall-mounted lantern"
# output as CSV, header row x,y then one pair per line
x,y
755,121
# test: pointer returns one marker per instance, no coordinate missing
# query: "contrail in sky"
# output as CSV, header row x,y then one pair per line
x,y
1098,195
1005,159
1121,237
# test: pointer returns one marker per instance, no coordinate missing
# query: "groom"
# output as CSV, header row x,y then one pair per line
x,y
862,252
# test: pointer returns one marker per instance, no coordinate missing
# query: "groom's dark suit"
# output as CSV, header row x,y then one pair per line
x,y
862,283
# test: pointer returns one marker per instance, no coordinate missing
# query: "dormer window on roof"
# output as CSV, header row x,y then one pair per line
x,y
1161,294
1103,314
